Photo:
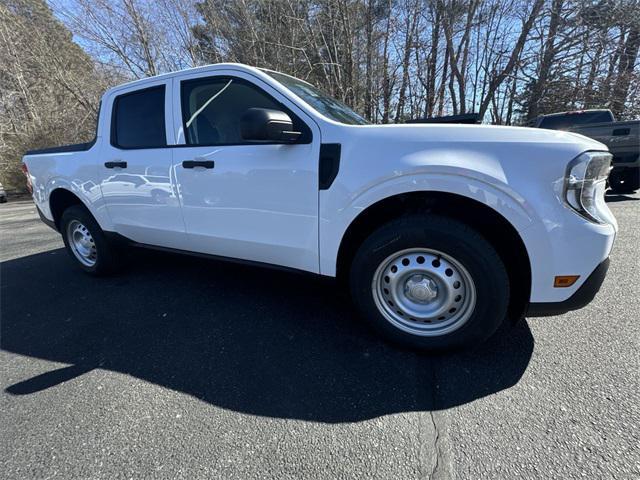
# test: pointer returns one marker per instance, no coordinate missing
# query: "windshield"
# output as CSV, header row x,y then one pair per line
x,y
326,105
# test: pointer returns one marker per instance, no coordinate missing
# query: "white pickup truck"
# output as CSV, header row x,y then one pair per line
x,y
441,232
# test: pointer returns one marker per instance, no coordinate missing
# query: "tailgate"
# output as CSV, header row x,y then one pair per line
x,y
620,137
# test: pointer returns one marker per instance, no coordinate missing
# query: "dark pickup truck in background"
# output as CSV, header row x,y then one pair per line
x,y
622,138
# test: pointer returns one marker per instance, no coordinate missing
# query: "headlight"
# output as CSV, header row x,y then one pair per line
x,y
585,184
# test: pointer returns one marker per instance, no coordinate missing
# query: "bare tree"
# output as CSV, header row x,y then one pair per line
x,y
49,87
548,57
626,65
391,60
499,75
138,37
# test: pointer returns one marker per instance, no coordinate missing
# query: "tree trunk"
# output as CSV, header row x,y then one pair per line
x,y
625,70
548,57
433,64
497,79
411,24
369,61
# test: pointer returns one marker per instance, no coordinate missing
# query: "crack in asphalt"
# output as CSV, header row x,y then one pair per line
x,y
439,468
436,447
201,411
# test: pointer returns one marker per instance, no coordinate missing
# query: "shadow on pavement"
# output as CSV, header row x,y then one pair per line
x,y
251,340
619,197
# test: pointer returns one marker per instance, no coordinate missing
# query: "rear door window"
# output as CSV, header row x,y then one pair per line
x,y
138,119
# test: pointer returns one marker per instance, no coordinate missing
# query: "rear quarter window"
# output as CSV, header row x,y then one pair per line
x,y
137,119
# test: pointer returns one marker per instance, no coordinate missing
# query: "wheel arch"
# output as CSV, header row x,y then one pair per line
x,y
498,230
59,200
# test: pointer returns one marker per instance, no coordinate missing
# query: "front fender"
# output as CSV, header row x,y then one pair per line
x,y
338,211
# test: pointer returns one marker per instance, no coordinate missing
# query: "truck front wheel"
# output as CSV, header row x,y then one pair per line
x,y
86,243
430,282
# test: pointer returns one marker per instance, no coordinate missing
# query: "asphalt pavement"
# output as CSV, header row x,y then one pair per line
x,y
180,367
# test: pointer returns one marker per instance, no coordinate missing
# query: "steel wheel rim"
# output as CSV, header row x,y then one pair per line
x,y
424,292
82,243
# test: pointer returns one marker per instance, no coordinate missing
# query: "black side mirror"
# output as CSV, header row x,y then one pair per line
x,y
263,124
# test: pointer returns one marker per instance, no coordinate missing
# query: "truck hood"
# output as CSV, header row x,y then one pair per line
x,y
476,134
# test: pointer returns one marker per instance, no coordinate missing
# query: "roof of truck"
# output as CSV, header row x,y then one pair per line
x,y
203,68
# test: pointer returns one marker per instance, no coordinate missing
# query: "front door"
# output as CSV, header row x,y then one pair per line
x,y
136,170
253,201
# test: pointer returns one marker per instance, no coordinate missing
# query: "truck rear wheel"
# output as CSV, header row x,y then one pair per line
x,y
430,282
86,243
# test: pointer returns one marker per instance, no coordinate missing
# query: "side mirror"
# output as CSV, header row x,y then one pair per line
x,y
263,124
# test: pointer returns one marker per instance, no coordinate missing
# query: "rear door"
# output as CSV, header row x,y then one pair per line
x,y
136,170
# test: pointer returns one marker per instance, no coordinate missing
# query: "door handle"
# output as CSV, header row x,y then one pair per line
x,y
116,164
621,131
198,163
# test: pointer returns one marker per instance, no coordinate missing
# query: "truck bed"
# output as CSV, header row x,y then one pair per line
x,y
76,147
618,136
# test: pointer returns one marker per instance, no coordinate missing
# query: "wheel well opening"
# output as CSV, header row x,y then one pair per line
x,y
59,200
489,223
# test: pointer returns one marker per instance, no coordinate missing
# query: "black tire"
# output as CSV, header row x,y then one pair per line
x,y
453,238
108,254
624,181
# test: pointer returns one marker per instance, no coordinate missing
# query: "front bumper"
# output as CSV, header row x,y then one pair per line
x,y
581,297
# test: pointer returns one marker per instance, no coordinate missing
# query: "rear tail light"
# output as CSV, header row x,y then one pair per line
x,y
25,170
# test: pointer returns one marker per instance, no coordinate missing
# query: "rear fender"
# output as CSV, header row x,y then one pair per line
x,y
88,193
